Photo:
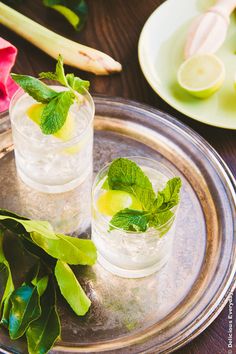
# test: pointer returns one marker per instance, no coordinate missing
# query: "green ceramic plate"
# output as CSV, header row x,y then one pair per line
x,y
161,52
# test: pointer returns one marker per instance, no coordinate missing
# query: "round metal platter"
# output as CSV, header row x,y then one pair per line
x,y
162,312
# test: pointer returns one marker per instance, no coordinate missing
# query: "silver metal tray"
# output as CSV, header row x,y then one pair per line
x,y
162,312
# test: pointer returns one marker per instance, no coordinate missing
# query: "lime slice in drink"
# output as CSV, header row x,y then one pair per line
x,y
201,75
112,201
74,149
35,111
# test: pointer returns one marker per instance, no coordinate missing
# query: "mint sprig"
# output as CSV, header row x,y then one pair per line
x,y
126,175
69,80
57,106
58,75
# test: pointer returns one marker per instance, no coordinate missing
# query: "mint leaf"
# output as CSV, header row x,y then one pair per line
x,y
77,84
48,75
130,220
126,175
169,196
159,219
55,112
35,88
71,289
59,74
75,11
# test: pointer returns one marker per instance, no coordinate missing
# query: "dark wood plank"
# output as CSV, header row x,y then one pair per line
x,y
114,26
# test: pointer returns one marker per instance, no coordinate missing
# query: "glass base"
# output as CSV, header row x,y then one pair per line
x,y
44,188
131,273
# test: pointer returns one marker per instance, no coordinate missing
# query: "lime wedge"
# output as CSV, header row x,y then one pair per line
x,y
201,75
110,202
35,111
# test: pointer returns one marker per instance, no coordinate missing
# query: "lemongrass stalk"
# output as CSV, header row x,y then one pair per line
x,y
74,54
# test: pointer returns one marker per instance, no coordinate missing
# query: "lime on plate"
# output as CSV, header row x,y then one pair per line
x,y
112,201
35,111
201,75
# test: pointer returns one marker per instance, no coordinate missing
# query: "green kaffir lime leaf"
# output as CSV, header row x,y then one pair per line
x,y
31,308
6,282
42,285
6,311
75,11
44,331
68,249
25,308
20,225
71,289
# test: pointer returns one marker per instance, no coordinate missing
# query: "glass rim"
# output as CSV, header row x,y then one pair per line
x,y
131,233
58,143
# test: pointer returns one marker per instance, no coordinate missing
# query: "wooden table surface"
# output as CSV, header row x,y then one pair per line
x,y
114,27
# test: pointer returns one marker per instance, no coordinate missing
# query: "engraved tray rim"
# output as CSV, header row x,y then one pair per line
x,y
107,106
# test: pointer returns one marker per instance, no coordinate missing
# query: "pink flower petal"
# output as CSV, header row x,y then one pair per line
x,y
7,86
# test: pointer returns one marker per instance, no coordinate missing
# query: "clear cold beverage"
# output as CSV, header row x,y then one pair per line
x,y
52,165
45,162
132,254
